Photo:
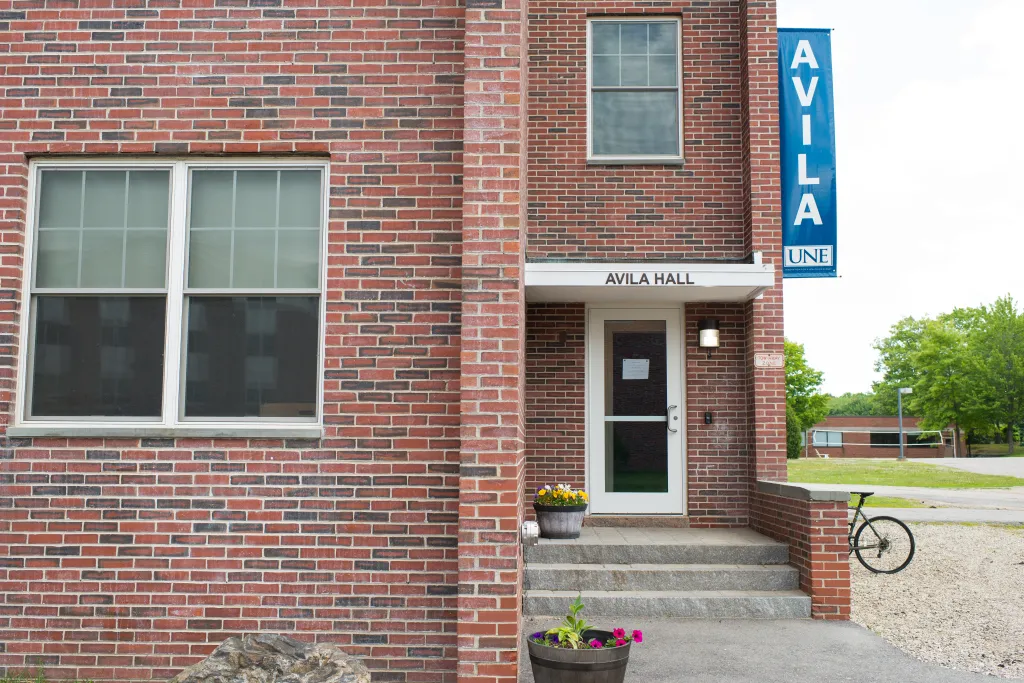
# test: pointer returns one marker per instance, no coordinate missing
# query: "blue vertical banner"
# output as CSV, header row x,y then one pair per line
x,y
808,154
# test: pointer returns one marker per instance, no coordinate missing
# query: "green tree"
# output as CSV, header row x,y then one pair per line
x,y
946,390
853,403
998,346
805,404
895,362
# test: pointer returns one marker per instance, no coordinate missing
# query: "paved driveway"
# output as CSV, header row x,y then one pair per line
x,y
784,651
1013,467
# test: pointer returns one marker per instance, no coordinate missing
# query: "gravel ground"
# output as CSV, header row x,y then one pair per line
x,y
960,603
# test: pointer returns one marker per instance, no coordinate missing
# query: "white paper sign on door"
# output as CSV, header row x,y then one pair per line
x,y
636,368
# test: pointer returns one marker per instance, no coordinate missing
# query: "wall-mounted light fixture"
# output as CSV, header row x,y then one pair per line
x,y
708,337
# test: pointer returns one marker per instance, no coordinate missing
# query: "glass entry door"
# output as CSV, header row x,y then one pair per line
x,y
635,449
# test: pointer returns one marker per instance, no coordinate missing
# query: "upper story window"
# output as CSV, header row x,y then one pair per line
x,y
635,90
166,294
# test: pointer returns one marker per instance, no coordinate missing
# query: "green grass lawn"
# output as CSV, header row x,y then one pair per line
x,y
892,473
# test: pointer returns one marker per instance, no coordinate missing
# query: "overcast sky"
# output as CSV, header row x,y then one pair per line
x,y
929,171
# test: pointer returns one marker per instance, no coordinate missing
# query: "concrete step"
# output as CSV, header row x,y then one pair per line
x,y
756,552
661,577
789,604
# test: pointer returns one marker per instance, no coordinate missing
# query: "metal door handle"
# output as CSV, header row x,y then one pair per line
x,y
668,418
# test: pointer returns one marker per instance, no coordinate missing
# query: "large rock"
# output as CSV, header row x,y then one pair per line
x,y
269,658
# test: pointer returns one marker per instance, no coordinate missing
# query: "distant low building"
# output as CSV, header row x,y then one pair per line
x,y
878,437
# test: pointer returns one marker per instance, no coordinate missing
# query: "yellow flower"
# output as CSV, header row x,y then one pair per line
x,y
540,492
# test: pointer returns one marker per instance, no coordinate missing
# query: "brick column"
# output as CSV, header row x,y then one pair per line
x,y
493,363
762,209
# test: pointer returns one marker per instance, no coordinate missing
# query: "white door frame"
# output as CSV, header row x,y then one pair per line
x,y
674,502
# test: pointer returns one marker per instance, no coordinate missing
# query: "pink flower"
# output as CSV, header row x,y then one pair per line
x,y
620,642
619,633
638,636
596,644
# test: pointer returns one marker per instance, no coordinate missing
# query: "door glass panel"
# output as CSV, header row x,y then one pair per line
x,y
635,380
636,457
636,399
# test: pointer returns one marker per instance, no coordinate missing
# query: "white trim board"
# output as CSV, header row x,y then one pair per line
x,y
634,282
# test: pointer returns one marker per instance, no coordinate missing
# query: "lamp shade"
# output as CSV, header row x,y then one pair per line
x,y
708,333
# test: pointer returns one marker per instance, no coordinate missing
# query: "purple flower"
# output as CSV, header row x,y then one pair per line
x,y
619,642
554,638
638,636
596,644
539,635
619,633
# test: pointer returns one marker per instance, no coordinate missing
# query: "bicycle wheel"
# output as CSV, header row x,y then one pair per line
x,y
884,545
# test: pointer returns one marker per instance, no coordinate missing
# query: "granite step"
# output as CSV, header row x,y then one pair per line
x,y
752,553
661,577
740,604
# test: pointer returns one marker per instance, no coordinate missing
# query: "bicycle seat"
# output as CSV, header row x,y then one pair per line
x,y
863,494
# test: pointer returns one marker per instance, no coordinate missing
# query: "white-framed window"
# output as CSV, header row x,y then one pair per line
x,y
174,296
828,439
634,89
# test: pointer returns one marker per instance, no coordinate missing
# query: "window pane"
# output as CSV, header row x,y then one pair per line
x,y
298,259
636,123
254,258
606,38
256,199
300,199
258,246
211,199
103,213
663,71
209,258
57,258
663,38
104,199
634,38
98,356
252,357
148,197
102,258
606,71
145,258
60,199
634,71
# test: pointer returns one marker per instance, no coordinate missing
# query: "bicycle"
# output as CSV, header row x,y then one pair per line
x,y
883,544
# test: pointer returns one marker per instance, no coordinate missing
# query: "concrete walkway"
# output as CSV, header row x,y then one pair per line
x,y
974,515
1012,467
785,651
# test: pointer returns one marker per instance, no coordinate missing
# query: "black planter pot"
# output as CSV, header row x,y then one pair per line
x,y
560,521
565,665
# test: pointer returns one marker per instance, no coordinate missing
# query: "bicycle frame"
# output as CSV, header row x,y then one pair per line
x,y
859,512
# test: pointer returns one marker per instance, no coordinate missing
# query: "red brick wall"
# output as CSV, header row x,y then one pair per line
x,y
650,211
718,455
130,559
492,450
555,397
766,386
816,532
857,444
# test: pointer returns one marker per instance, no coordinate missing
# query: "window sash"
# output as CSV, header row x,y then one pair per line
x,y
175,338
593,88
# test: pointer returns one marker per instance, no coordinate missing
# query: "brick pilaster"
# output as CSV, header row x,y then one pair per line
x,y
493,323
760,107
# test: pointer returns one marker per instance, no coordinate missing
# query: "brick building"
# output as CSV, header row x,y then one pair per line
x,y
301,300
862,436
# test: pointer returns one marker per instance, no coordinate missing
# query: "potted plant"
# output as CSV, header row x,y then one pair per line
x,y
560,511
575,652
